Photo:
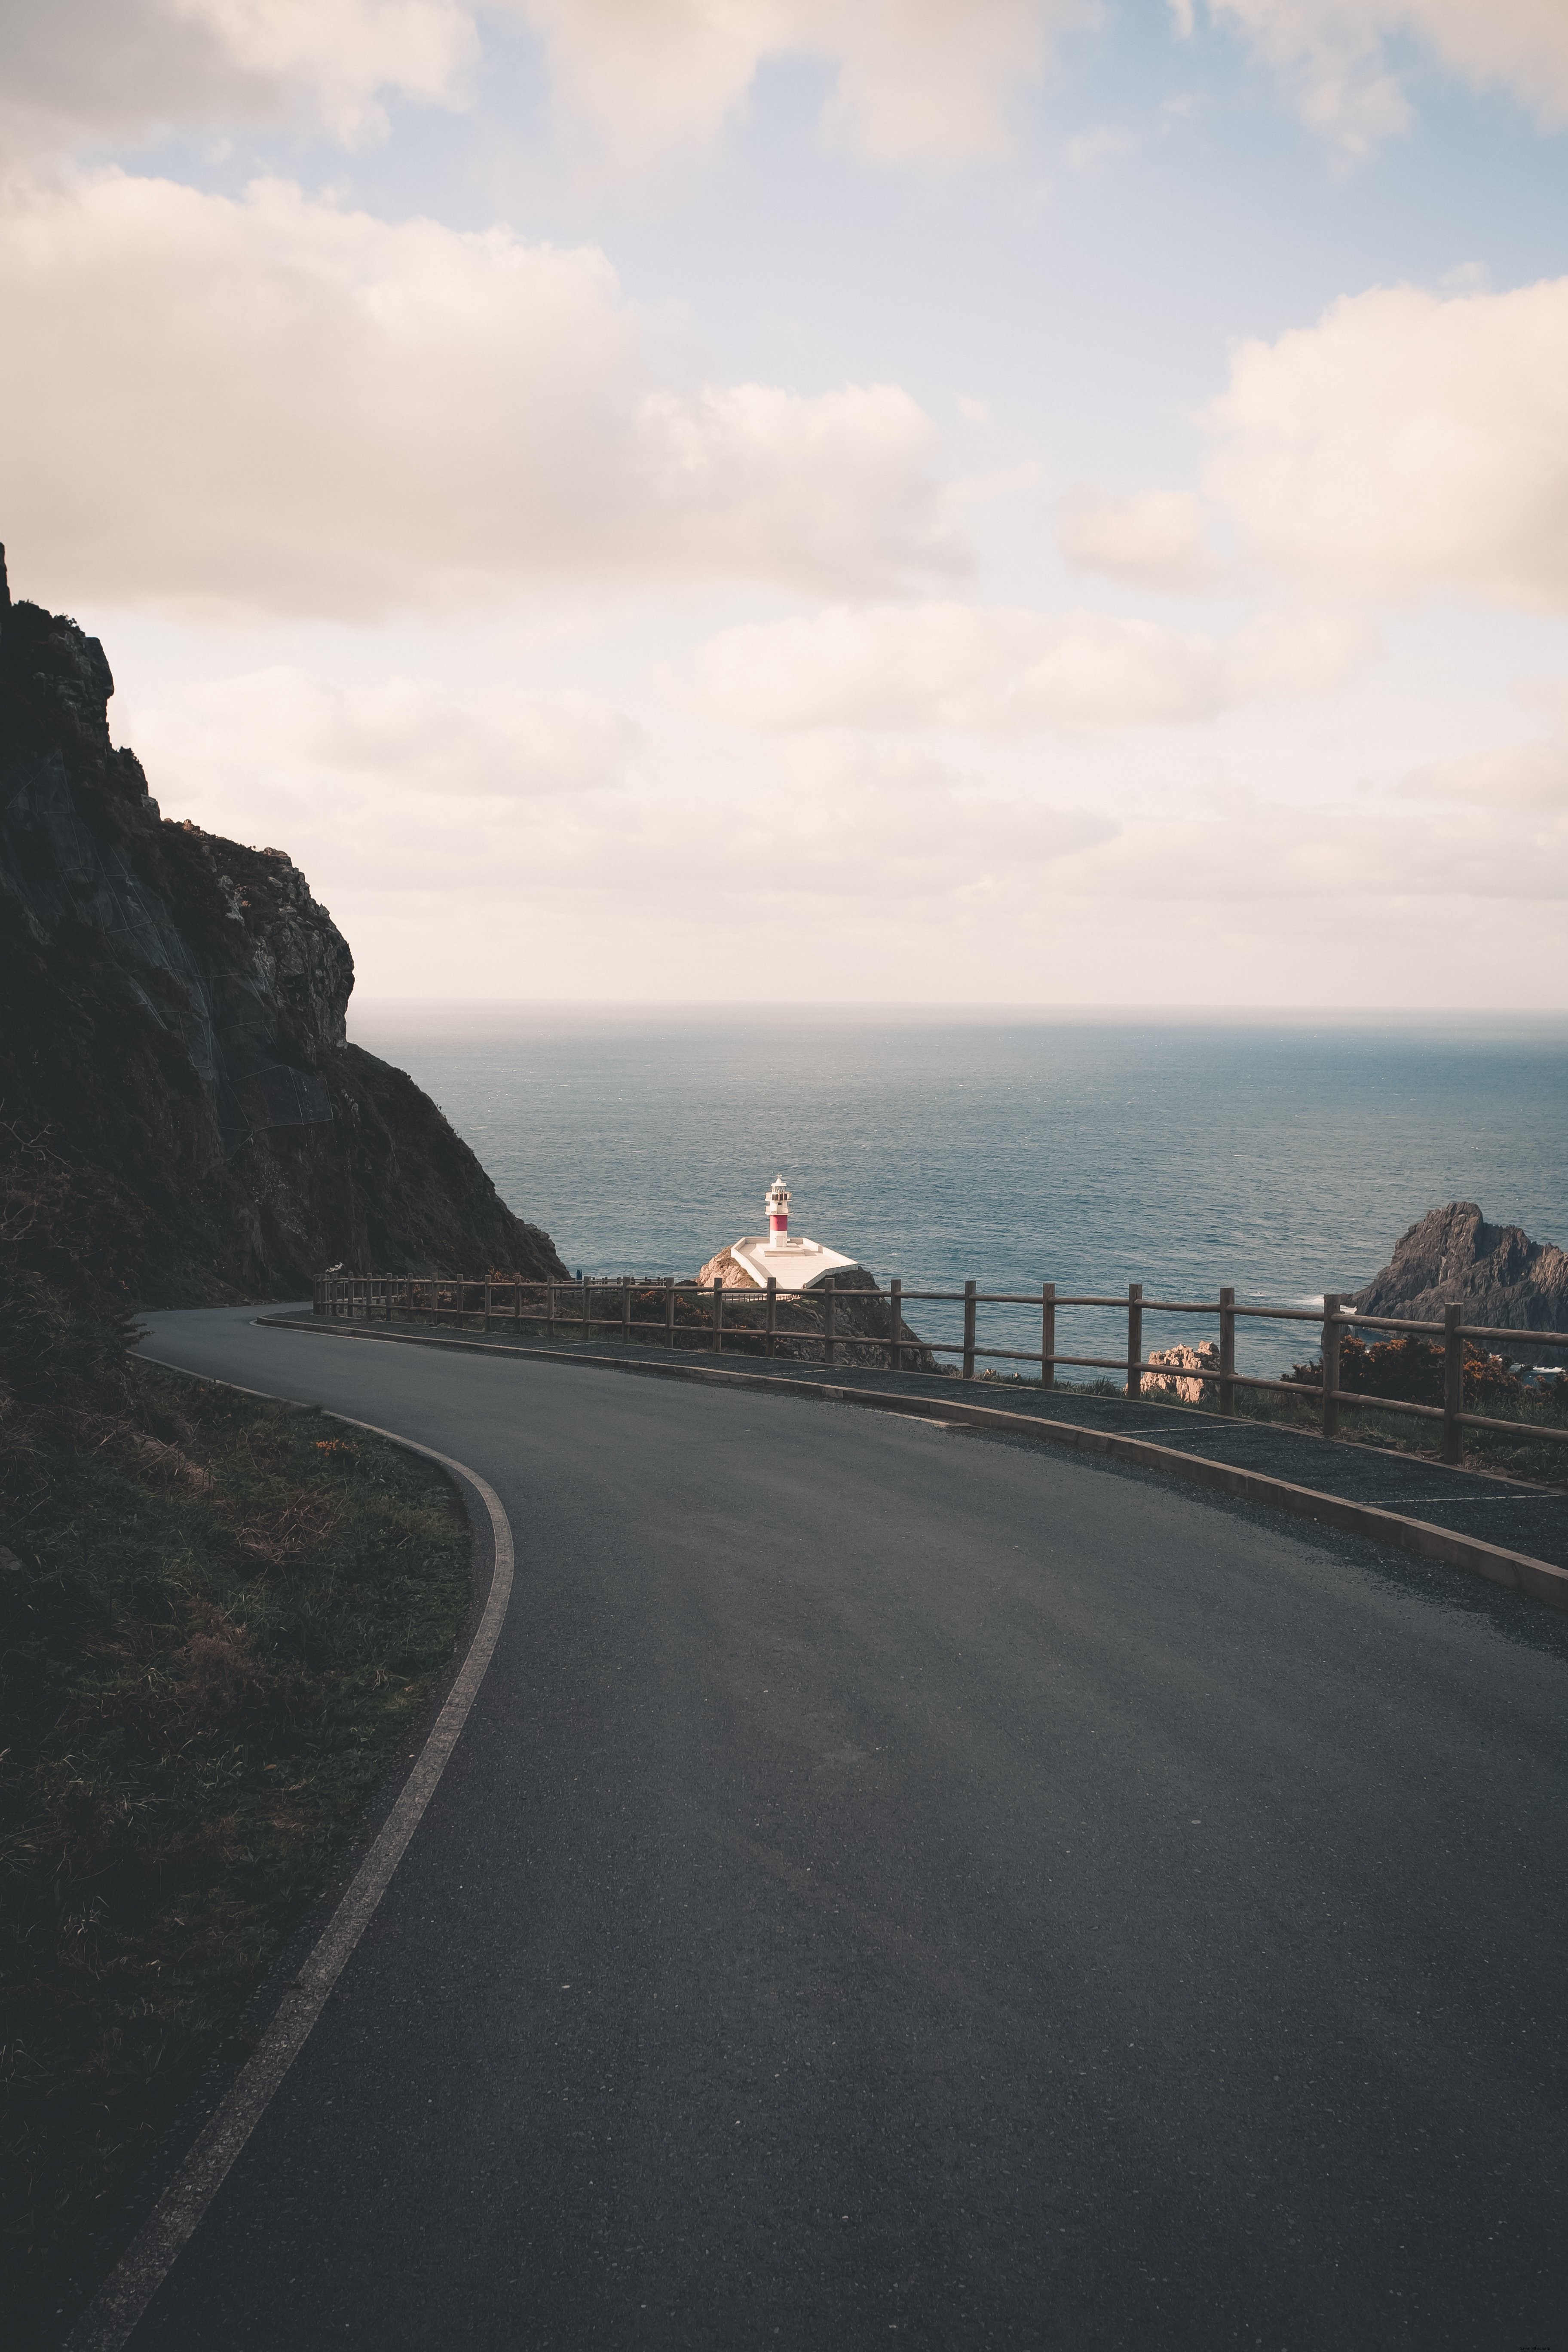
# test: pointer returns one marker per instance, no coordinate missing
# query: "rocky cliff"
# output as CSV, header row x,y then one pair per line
x,y
178,1102
1499,1275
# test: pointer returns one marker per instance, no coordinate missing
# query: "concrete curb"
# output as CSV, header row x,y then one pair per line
x,y
1517,1570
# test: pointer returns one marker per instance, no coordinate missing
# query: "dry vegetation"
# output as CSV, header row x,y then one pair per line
x,y
216,1615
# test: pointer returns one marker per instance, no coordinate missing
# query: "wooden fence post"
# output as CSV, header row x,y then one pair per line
x,y
717,1316
587,1305
1331,1353
1048,1335
1453,1383
829,1321
626,1310
1228,1349
550,1310
489,1302
895,1324
773,1311
969,1330
669,1311
1134,1339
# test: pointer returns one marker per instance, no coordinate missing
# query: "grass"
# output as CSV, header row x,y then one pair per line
x,y
219,1617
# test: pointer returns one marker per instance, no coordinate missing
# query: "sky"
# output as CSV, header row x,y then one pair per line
x,y
1015,503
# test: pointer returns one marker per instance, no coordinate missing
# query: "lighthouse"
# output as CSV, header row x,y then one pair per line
x,y
779,1255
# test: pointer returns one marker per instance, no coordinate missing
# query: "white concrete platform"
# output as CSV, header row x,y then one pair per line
x,y
795,1264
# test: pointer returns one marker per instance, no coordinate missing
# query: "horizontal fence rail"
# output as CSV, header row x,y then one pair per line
x,y
812,1318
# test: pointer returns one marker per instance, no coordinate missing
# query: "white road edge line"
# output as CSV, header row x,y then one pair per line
x,y
114,2312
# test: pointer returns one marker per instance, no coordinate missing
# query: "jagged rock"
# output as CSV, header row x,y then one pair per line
x,y
723,1268
1499,1276
1204,1358
174,1030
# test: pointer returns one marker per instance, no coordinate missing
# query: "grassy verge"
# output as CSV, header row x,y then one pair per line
x,y
218,1616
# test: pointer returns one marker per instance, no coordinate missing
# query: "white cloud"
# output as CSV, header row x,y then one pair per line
x,y
1091,148
407,785
283,729
847,820
1340,59
74,70
918,80
331,416
1521,777
1154,541
1003,672
915,80
1407,442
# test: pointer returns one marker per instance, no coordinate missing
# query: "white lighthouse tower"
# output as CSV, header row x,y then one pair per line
x,y
777,1206
786,1258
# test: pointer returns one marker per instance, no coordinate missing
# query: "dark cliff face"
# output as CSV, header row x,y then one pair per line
x,y
172,1041
1499,1275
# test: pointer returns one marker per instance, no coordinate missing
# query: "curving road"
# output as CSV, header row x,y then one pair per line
x,y
901,1887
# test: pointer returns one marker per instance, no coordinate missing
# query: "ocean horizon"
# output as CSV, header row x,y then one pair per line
x,y
1284,1153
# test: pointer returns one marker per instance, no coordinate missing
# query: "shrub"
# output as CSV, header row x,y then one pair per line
x,y
1412,1371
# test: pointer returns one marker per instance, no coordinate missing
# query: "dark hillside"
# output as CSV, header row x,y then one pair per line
x,y
179,1109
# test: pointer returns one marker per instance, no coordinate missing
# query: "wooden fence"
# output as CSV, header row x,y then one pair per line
x,y
565,1308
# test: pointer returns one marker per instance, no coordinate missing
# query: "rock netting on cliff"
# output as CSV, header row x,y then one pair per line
x,y
1501,1278
173,1043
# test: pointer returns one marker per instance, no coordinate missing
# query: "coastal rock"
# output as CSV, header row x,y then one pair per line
x,y
173,1048
1498,1274
861,1318
1202,1358
723,1268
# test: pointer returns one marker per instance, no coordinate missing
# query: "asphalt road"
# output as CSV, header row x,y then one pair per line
x,y
896,1886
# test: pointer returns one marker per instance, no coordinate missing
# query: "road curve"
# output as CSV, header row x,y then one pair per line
x,y
900,1887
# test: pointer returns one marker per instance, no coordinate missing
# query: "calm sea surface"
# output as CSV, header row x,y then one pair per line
x,y
1286,1159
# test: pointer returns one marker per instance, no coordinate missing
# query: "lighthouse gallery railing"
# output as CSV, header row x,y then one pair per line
x,y
549,1307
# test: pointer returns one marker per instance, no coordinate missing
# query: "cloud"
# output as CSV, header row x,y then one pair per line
x,y
917,81
283,729
1350,852
93,71
1091,148
1407,442
1338,58
645,80
1005,672
1519,777
846,821
275,406
407,785
1154,541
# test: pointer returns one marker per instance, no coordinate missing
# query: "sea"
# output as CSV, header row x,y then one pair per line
x,y
1285,1156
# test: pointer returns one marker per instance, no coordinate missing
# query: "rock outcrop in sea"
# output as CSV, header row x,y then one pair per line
x,y
1180,1360
1498,1275
177,1095
861,1315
